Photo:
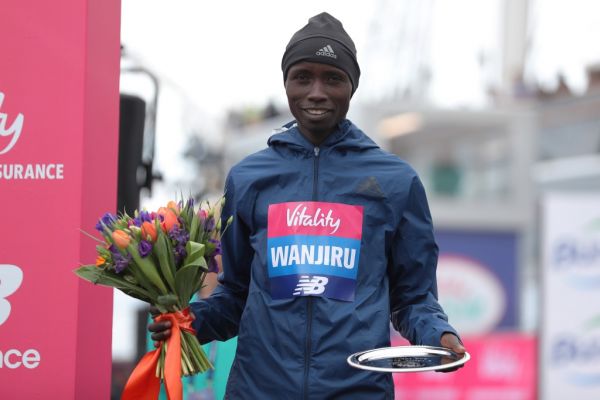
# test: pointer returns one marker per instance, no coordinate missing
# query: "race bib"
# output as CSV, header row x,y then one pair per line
x,y
314,249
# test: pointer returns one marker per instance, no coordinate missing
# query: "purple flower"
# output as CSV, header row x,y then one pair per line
x,y
179,235
217,244
142,217
213,266
144,248
107,220
180,254
209,224
121,261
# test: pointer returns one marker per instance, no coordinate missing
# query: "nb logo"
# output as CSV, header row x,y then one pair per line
x,y
13,129
11,277
310,285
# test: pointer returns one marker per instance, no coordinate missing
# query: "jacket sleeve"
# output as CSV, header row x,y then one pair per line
x,y
415,311
218,316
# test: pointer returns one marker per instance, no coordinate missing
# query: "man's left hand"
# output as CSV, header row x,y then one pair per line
x,y
451,341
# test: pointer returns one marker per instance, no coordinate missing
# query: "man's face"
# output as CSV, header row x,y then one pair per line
x,y
319,97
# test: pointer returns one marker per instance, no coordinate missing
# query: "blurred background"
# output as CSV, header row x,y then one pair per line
x,y
495,103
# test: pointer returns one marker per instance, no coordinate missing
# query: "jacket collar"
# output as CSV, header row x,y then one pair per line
x,y
346,135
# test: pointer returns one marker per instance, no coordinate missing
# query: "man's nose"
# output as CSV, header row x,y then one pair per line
x,y
317,91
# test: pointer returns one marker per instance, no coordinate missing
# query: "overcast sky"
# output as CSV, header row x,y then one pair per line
x,y
226,53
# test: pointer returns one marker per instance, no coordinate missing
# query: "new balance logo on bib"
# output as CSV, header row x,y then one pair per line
x,y
314,249
308,285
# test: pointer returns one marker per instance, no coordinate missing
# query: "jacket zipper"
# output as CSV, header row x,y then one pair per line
x,y
309,301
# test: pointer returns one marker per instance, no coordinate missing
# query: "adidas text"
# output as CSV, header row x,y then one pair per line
x,y
326,51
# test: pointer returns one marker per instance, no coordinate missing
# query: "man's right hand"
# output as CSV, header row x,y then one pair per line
x,y
161,330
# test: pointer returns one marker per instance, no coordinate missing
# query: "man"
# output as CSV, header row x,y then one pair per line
x,y
331,238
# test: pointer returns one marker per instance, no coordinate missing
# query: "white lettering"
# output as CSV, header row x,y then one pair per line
x,y
294,256
279,255
49,172
299,217
349,258
319,259
13,130
59,171
29,172
336,256
8,363
13,359
305,255
31,359
308,254
40,171
32,171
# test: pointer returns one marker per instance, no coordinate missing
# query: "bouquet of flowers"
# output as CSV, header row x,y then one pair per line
x,y
161,258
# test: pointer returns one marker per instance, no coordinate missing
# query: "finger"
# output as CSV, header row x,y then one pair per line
x,y
154,311
447,360
458,347
450,369
159,326
161,336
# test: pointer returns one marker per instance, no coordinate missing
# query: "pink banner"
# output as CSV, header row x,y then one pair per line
x,y
59,73
316,219
503,366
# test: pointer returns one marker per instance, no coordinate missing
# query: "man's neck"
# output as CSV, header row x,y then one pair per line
x,y
316,138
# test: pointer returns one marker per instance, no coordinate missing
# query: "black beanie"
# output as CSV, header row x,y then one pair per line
x,y
323,40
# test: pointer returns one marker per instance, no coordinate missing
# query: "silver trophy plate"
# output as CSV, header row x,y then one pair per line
x,y
407,359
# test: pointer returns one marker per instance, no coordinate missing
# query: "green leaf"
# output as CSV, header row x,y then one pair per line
x,y
195,255
167,266
148,269
200,280
201,262
210,248
98,276
168,244
185,283
134,270
194,228
168,300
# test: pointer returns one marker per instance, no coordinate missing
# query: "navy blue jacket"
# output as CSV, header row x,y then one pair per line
x,y
293,342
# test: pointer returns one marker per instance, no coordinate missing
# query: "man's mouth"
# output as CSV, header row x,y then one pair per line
x,y
316,111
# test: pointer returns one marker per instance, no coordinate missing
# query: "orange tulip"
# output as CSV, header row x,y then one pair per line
x,y
121,238
100,261
169,221
148,229
173,206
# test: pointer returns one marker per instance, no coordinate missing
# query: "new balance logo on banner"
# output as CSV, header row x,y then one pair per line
x,y
327,51
11,278
308,285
